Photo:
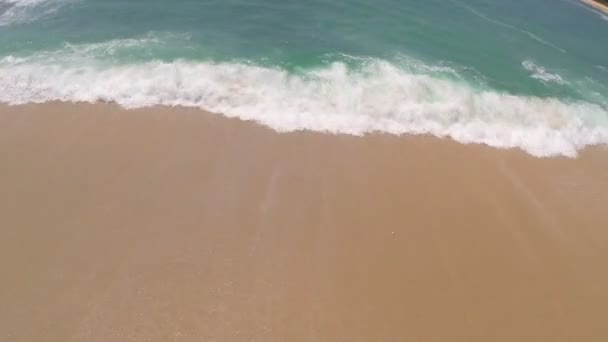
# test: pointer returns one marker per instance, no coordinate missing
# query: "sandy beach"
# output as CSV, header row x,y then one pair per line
x,y
179,225
597,5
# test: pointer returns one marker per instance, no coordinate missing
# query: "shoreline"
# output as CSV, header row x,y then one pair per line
x,y
602,6
177,224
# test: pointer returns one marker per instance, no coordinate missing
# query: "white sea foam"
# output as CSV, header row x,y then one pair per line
x,y
24,11
540,73
376,96
510,27
85,53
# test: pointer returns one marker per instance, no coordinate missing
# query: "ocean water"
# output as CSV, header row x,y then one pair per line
x,y
529,74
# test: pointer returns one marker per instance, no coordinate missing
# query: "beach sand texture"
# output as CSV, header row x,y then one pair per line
x,y
178,225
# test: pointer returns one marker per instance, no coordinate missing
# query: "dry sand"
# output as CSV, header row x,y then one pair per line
x,y
178,225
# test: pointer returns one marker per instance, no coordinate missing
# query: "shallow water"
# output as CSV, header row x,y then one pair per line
x,y
529,74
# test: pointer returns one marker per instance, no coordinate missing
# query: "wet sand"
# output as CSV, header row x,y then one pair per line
x,y
177,225
597,5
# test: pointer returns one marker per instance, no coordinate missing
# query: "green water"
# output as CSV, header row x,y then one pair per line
x,y
556,50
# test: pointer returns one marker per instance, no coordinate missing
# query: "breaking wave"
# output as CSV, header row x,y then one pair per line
x,y
371,96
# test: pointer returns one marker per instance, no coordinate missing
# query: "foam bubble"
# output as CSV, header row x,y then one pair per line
x,y
24,11
375,96
540,73
79,53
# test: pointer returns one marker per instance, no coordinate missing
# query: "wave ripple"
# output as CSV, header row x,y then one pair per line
x,y
373,96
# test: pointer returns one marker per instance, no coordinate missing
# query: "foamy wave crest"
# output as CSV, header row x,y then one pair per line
x,y
24,11
376,96
85,53
541,74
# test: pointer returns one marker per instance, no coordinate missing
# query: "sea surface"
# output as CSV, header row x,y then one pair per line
x,y
530,74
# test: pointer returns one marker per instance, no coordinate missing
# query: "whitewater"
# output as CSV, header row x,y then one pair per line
x,y
24,11
343,93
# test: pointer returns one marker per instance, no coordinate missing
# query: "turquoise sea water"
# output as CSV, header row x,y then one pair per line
x,y
531,74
